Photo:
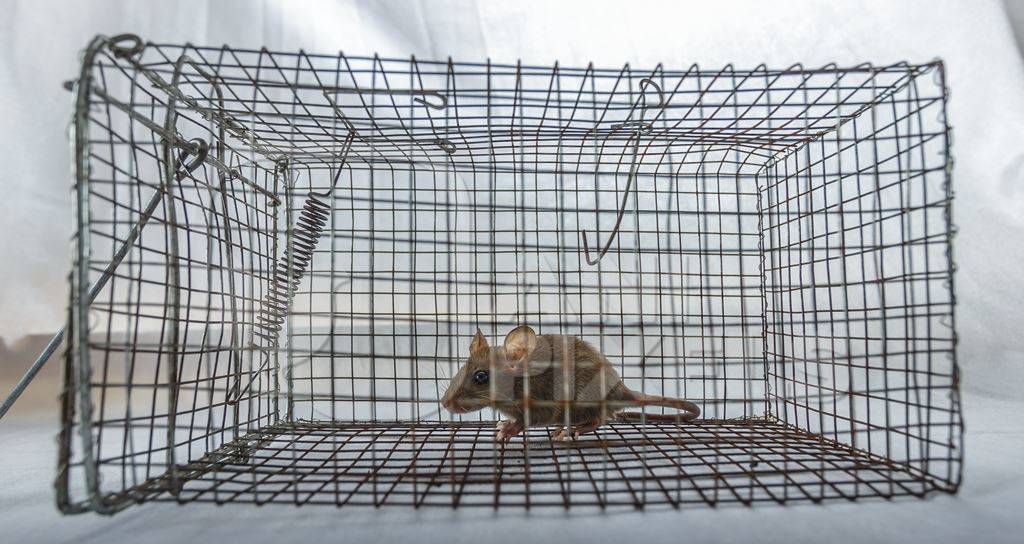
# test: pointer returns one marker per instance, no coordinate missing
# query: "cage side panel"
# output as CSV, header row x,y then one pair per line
x,y
859,300
407,275
421,250
471,190
223,228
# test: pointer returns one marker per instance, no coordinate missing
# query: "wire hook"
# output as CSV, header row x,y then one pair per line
x,y
446,145
418,96
121,51
648,82
183,169
442,105
642,127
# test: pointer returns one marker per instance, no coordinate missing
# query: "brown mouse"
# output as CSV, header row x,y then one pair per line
x,y
549,380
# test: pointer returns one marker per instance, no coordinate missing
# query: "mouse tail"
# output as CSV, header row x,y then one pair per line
x,y
689,411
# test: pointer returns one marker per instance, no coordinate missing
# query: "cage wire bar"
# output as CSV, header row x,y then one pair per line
x,y
291,253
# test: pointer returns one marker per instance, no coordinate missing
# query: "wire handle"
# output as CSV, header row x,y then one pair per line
x,y
642,127
419,96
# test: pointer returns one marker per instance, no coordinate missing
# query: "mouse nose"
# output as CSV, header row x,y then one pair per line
x,y
448,399
452,406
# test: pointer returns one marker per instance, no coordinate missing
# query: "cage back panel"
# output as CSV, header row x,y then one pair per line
x,y
773,245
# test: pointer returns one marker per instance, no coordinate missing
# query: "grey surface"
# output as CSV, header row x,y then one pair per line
x,y
986,510
1015,12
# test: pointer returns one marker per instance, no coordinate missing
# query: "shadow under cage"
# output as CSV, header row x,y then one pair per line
x,y
281,260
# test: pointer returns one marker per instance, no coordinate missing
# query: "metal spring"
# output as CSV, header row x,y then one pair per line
x,y
294,261
290,268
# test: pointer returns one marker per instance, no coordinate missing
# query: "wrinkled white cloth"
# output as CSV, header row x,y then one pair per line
x,y
40,41
39,45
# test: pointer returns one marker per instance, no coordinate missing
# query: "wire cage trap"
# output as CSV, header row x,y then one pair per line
x,y
281,259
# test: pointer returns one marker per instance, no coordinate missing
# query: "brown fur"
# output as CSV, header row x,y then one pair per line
x,y
548,380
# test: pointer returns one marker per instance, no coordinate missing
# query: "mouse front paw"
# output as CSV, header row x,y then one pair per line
x,y
560,435
507,429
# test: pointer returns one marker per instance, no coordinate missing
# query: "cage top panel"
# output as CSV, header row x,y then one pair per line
x,y
446,115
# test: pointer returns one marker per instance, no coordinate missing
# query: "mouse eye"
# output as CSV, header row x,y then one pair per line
x,y
480,377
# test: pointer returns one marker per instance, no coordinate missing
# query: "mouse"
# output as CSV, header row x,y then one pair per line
x,y
549,380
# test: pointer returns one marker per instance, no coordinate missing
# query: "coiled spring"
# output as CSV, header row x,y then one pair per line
x,y
288,272
290,268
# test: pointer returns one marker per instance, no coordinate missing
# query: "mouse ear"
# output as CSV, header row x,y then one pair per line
x,y
520,343
479,347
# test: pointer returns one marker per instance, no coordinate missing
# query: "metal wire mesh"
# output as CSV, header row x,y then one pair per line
x,y
300,248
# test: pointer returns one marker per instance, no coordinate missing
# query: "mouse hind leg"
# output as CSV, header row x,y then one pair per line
x,y
508,429
588,426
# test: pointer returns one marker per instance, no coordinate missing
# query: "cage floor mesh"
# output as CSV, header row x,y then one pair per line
x,y
623,464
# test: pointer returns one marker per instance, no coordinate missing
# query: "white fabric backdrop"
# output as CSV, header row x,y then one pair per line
x,y
40,40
